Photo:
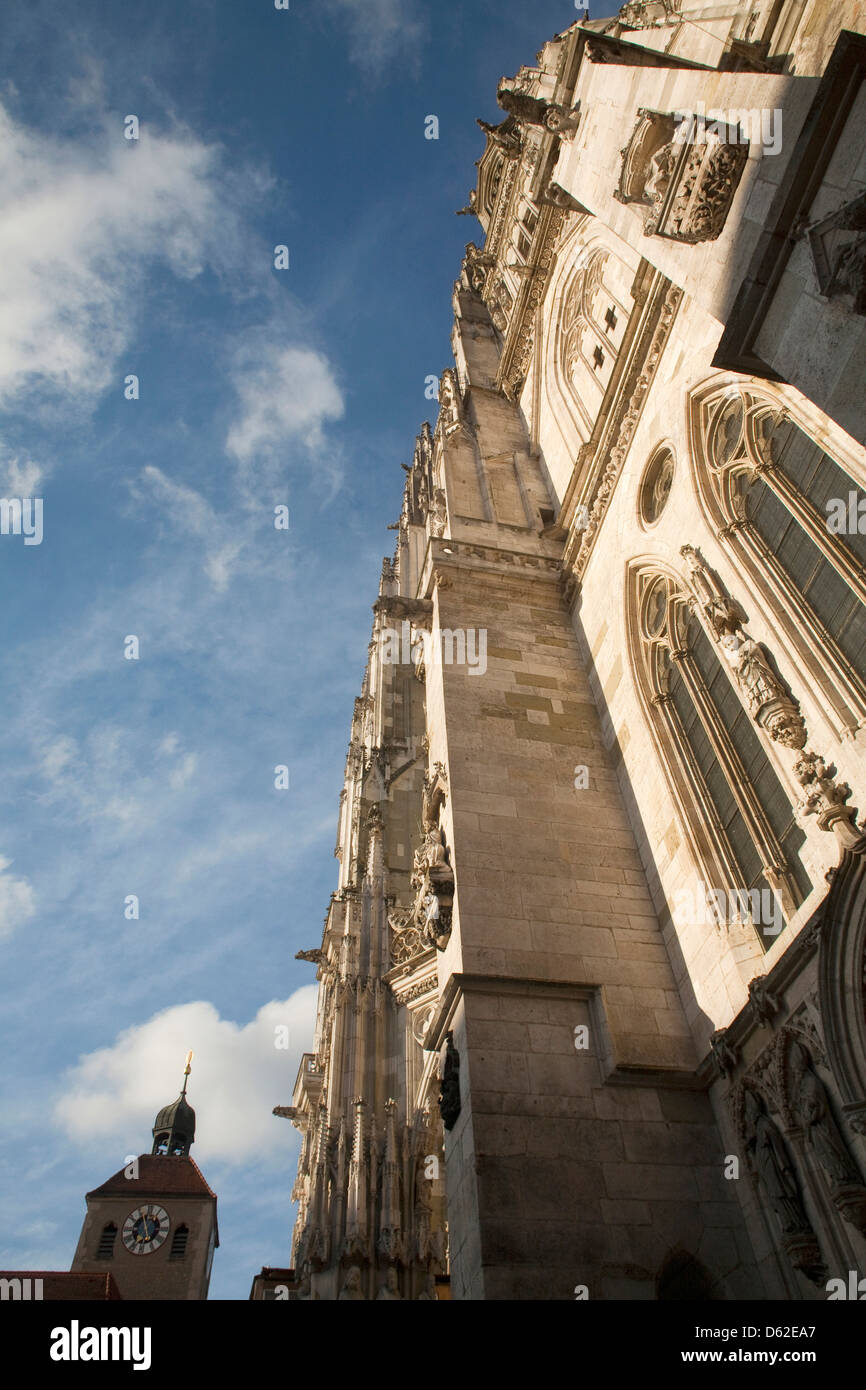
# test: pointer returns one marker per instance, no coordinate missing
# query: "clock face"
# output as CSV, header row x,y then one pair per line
x,y
145,1229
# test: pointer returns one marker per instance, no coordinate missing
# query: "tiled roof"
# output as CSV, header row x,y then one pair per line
x,y
159,1173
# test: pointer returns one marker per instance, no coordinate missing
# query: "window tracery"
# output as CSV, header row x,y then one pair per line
x,y
740,816
768,486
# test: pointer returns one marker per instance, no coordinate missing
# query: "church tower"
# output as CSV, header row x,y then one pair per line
x,y
153,1224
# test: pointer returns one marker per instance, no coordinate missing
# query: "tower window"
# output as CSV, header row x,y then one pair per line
x,y
105,1249
610,318
178,1243
598,356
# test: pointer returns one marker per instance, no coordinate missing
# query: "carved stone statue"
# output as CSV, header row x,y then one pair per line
x,y
351,1290
438,513
449,1091
429,1290
390,1289
751,668
531,110
816,1116
434,848
825,798
775,1169
449,405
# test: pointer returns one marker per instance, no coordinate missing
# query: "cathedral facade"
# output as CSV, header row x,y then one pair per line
x,y
591,1014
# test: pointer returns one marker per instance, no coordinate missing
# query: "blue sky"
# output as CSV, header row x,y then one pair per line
x,y
257,387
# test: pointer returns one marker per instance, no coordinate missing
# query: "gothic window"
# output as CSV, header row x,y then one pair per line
x,y
773,490
740,815
523,231
178,1243
656,486
590,331
105,1249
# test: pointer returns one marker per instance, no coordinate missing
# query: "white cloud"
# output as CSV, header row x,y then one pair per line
x,y
180,775
379,30
287,394
80,223
21,479
238,1076
16,900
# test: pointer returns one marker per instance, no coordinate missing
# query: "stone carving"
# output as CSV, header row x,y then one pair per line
x,y
838,245
450,413
314,957
825,798
438,513
351,1289
407,938
685,175
776,1174
477,265
390,1289
767,699
449,1092
529,110
429,1290
724,1055
471,209
437,920
815,1113
765,1004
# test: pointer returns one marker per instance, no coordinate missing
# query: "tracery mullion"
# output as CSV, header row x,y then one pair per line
x,y
769,848
711,821
815,527
844,689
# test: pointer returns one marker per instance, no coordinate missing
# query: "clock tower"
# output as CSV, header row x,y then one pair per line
x,y
153,1225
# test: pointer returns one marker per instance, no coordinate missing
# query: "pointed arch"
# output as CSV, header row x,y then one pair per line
x,y
589,311
737,815
765,483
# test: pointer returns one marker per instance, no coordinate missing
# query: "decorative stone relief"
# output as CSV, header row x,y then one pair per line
x,y
529,110
768,701
825,798
685,175
824,1135
838,246
772,1166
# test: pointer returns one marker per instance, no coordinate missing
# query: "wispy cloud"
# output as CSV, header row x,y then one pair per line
x,y
21,477
379,30
17,904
